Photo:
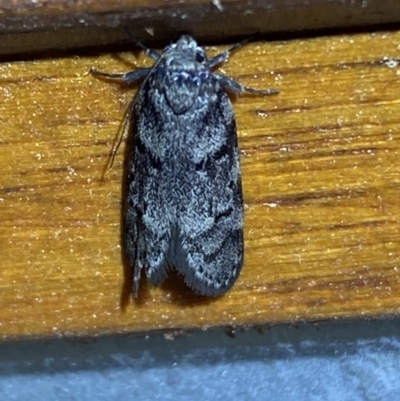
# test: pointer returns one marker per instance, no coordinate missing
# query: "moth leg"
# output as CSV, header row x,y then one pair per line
x,y
128,78
222,57
149,52
232,86
136,281
150,255
147,252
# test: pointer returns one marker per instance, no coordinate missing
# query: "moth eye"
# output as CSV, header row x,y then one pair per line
x,y
200,56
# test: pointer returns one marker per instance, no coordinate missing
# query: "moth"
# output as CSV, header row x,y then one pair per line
x,y
184,202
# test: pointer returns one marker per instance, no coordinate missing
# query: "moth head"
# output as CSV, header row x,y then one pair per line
x,y
185,51
186,74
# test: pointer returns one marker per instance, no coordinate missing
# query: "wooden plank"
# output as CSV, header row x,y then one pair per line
x,y
27,26
321,175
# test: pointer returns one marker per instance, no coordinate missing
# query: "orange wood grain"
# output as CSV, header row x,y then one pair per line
x,y
321,176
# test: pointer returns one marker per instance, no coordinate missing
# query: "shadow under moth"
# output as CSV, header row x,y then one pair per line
x,y
184,204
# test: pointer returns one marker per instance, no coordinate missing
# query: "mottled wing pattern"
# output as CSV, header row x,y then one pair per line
x,y
184,203
208,244
147,223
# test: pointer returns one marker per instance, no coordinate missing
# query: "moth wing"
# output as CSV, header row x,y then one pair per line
x,y
185,212
207,248
147,221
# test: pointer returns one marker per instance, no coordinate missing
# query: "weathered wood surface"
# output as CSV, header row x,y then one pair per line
x,y
27,25
321,175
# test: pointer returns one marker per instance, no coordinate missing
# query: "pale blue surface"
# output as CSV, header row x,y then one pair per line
x,y
328,362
